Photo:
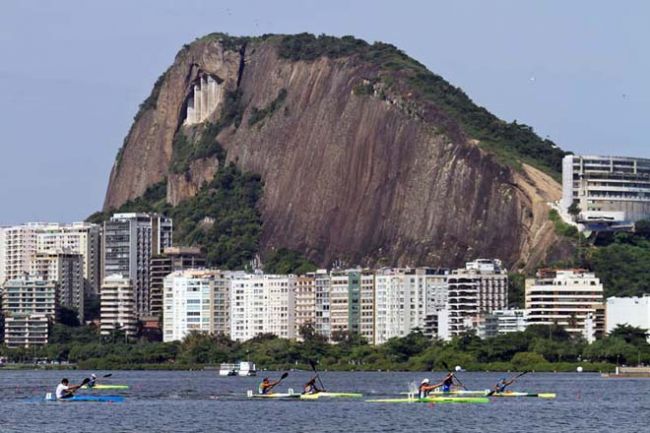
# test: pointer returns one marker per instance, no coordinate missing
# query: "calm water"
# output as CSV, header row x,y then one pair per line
x,y
204,402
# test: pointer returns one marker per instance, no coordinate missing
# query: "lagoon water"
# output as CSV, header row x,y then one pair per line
x,y
204,402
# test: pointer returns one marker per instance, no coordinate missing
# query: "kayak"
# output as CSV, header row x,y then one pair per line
x,y
479,392
95,398
101,387
524,394
318,395
434,399
278,395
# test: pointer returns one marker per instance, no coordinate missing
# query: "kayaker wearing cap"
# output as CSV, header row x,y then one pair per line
x,y
266,386
64,390
503,384
93,380
424,389
311,388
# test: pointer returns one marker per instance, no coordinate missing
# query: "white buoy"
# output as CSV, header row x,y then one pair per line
x,y
458,368
579,369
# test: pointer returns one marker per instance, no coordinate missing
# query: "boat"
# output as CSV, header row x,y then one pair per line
x,y
325,394
106,386
242,368
434,399
87,398
524,394
246,368
228,370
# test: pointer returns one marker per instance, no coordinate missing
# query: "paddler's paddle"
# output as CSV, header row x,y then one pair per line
x,y
511,380
284,376
83,382
313,367
108,375
444,364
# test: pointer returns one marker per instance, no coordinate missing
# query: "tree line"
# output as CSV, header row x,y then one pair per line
x,y
538,348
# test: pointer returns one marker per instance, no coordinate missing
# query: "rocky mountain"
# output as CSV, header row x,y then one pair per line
x,y
364,155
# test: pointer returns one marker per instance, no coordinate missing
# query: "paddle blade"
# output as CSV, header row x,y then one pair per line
x,y
284,375
312,364
108,375
85,381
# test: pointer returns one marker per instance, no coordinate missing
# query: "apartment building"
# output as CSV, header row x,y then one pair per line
x,y
632,311
195,301
66,269
118,310
571,298
262,304
404,297
171,260
502,322
322,283
609,190
29,305
305,301
481,287
130,241
352,303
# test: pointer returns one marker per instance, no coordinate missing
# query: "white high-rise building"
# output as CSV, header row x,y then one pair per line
x,y
481,287
118,306
20,244
609,190
262,304
632,311
404,297
322,303
29,304
568,298
130,240
195,301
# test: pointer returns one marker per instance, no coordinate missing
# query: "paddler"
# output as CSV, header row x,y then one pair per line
x,y
446,384
503,384
93,380
64,390
425,388
266,386
311,388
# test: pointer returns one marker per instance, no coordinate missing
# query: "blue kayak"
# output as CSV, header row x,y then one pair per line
x,y
95,398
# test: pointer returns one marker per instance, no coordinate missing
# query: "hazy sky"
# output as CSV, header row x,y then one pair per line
x,y
72,74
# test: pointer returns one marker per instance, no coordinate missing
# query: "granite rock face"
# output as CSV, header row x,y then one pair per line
x,y
353,170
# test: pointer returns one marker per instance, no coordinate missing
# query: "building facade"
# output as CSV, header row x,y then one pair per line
x,y
610,191
171,260
632,311
20,244
481,287
130,241
118,312
195,301
29,305
262,304
570,298
305,302
503,322
65,269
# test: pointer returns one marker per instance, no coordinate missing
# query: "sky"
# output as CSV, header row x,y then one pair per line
x,y
72,74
